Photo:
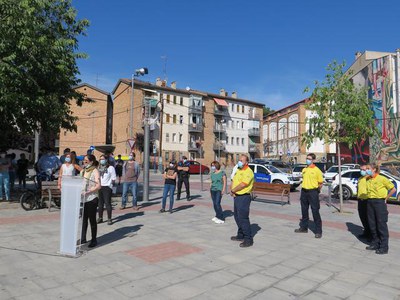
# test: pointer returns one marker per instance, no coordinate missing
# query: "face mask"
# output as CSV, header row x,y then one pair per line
x,y
88,165
213,168
308,162
363,173
67,159
184,160
369,172
102,162
171,165
240,165
130,157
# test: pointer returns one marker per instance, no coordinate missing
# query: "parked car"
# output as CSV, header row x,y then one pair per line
x,y
297,170
332,172
284,166
352,166
350,184
270,174
194,168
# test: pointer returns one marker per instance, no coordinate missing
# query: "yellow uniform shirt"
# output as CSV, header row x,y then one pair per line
x,y
362,191
312,177
244,175
378,187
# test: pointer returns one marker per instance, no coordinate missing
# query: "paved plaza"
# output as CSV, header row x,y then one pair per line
x,y
184,255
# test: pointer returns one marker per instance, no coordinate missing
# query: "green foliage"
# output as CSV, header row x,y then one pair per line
x,y
267,111
38,69
337,101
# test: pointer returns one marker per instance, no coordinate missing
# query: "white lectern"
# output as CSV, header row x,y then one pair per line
x,y
71,191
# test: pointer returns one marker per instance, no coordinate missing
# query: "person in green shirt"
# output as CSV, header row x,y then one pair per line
x,y
217,189
378,187
362,195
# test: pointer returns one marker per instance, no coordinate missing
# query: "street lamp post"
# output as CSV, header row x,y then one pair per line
x,y
137,73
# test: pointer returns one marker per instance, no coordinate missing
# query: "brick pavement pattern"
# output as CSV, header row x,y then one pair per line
x,y
184,255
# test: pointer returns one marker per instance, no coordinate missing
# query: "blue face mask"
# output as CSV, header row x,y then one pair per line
x,y
363,173
308,162
67,159
369,172
184,161
240,165
103,162
213,168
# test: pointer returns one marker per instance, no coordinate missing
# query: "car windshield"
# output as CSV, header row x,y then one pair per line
x,y
274,169
335,169
298,169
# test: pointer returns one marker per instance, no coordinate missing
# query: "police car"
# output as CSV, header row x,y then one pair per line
x,y
350,182
271,174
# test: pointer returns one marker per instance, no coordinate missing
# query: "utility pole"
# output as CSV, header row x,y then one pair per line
x,y
161,136
146,150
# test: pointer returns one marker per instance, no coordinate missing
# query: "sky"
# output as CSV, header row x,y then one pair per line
x,y
267,51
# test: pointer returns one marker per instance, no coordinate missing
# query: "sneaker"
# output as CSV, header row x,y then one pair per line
x,y
109,222
301,230
236,238
218,221
135,208
214,219
162,210
99,220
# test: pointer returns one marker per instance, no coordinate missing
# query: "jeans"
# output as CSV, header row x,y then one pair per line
x,y
5,181
105,193
241,211
377,219
125,188
310,198
168,188
216,199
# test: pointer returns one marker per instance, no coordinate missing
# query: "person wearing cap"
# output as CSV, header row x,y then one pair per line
x,y
169,175
183,177
242,186
312,184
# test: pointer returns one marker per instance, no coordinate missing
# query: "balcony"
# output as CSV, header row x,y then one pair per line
x,y
192,146
220,110
254,132
219,129
195,110
253,148
254,116
219,146
195,128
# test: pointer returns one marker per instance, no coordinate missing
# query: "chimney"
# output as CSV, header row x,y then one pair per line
x,y
173,85
358,54
222,92
234,95
158,81
164,83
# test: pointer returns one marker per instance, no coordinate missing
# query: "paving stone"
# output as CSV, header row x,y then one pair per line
x,y
337,288
230,291
379,291
273,293
256,282
296,285
279,271
315,274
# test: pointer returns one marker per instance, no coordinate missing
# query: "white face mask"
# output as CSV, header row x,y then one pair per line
x,y
171,165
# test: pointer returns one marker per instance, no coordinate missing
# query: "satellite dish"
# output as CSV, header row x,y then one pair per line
x,y
188,88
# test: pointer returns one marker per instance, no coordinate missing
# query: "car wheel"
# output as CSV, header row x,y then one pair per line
x,y
346,193
278,181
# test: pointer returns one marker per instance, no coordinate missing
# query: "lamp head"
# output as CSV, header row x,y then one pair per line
x,y
141,71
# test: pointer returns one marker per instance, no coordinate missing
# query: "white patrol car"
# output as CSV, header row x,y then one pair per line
x,y
271,174
350,183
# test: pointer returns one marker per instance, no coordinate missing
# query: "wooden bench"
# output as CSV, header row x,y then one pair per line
x,y
50,191
265,189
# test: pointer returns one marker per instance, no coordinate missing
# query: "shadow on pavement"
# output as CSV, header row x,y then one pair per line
x,y
183,207
356,230
127,216
254,229
117,234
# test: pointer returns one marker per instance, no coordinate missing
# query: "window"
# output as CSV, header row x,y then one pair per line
x,y
237,108
243,109
227,140
251,167
181,138
174,119
237,125
181,101
181,119
242,141
161,97
242,124
237,141
262,170
232,107
174,99
167,137
167,118
232,141
167,156
168,99
174,137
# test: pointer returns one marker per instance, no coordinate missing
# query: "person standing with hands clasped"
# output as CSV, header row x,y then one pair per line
x,y
169,186
107,180
362,195
217,189
378,187
183,177
242,186
130,174
310,188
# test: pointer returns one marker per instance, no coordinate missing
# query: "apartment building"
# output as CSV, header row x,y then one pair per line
x,y
200,125
282,132
94,124
380,72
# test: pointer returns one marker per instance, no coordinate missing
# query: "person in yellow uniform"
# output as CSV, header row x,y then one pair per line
x,y
362,195
310,188
378,187
242,186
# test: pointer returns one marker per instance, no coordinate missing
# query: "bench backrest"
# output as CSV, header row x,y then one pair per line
x,y
273,188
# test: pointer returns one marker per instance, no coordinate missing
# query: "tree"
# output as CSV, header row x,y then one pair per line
x,y
267,111
341,112
38,69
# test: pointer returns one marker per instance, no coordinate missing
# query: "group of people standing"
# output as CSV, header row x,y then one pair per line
x,y
10,169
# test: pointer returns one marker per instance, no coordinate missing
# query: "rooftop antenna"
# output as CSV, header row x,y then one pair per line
x,y
165,58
